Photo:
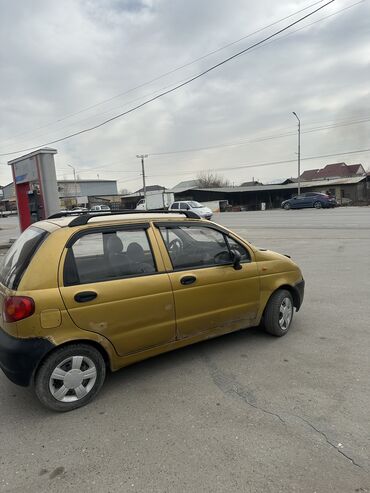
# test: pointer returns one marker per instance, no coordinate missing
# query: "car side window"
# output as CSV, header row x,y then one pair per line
x,y
184,206
103,256
195,246
175,205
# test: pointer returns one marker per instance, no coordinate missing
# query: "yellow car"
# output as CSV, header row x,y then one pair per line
x,y
83,294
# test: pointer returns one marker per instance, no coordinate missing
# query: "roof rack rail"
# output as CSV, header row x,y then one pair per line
x,y
65,214
83,218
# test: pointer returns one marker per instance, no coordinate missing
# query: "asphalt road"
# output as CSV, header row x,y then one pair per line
x,y
244,412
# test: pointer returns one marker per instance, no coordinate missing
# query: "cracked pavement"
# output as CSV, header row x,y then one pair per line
x,y
245,412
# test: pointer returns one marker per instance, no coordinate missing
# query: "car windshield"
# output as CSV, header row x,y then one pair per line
x,y
19,255
195,205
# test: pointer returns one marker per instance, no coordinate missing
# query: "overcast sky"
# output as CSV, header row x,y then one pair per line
x,y
67,65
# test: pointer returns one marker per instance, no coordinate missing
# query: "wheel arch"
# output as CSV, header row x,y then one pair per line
x,y
87,342
292,290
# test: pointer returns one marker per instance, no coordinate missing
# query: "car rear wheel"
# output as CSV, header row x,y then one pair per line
x,y
287,206
317,205
279,313
70,377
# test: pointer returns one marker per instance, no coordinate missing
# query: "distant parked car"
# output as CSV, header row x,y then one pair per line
x,y
79,209
309,199
100,208
192,205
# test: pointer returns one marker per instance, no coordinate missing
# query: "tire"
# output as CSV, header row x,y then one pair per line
x,y
68,390
317,205
274,322
287,206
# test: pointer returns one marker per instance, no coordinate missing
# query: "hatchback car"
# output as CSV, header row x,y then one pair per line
x,y
309,199
192,205
124,287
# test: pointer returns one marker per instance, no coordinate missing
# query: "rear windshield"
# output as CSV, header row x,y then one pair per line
x,y
16,260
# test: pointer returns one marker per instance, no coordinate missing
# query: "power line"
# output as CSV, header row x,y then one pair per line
x,y
166,73
251,165
224,145
102,167
270,163
262,139
178,86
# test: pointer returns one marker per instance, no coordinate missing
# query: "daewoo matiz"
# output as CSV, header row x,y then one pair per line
x,y
84,294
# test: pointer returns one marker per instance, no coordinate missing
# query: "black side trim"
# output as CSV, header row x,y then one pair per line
x,y
186,224
19,358
105,229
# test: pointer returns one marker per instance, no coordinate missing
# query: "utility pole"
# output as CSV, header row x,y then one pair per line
x,y
299,152
74,176
142,157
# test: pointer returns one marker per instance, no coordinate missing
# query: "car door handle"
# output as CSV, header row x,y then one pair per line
x,y
85,296
188,280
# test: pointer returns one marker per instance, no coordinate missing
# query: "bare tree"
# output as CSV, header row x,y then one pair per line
x,y
207,179
124,191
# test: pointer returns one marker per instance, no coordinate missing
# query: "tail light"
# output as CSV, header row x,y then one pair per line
x,y
17,308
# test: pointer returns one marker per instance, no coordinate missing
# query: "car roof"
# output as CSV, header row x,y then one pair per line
x,y
66,221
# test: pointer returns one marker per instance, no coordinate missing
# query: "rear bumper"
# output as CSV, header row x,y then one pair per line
x,y
299,290
19,358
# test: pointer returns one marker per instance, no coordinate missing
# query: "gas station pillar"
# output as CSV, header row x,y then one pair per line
x,y
36,186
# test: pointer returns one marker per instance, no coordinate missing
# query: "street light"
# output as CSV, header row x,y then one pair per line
x,y
142,157
299,152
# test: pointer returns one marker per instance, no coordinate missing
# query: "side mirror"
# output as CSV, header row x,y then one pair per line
x,y
236,258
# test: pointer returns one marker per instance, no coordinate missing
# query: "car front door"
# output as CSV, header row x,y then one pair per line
x,y
114,283
297,202
210,294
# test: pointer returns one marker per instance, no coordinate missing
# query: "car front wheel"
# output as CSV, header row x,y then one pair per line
x,y
70,377
317,205
287,206
279,313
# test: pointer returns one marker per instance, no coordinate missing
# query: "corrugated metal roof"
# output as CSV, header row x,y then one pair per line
x,y
260,188
186,185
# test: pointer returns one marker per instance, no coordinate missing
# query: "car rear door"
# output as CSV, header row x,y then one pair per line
x,y
311,198
210,295
113,282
